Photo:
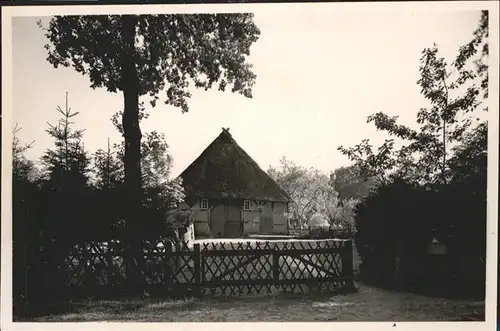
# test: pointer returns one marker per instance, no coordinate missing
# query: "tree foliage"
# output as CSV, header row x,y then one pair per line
x,y
350,184
23,168
53,211
434,186
478,44
65,185
454,93
156,161
161,190
144,55
25,224
312,193
170,52
74,200
470,157
392,223
68,161
108,168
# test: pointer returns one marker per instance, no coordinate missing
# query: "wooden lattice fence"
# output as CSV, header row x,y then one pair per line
x,y
222,268
296,266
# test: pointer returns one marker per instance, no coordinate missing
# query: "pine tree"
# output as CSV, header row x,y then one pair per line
x,y
66,220
108,168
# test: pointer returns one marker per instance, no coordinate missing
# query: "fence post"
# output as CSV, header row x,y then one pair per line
x,y
169,270
347,265
197,270
276,268
86,260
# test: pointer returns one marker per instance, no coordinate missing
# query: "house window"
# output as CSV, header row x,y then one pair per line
x,y
246,205
204,204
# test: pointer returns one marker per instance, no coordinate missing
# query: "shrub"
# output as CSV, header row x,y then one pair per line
x,y
396,223
391,226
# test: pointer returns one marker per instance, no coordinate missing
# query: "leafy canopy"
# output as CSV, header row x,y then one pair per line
x,y
454,92
22,168
350,184
313,194
172,52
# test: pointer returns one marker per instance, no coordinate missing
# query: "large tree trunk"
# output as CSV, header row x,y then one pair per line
x,y
130,120
132,159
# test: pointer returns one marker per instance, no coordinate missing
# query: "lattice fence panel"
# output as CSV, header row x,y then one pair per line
x,y
75,267
221,268
236,268
261,267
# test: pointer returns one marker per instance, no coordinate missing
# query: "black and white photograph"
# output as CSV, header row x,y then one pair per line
x,y
305,162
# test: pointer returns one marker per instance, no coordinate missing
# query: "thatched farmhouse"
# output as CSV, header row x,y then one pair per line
x,y
230,195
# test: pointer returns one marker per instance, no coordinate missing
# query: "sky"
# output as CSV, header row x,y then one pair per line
x,y
320,74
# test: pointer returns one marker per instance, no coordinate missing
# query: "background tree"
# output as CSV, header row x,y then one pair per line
x,y
23,169
156,161
298,182
66,175
466,212
476,50
109,195
75,201
453,92
434,186
312,193
433,154
162,194
144,55
26,226
68,156
394,224
65,203
350,184
108,168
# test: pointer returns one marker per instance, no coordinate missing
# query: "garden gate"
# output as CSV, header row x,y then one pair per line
x,y
249,268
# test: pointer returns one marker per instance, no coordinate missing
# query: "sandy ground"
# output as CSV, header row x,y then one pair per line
x,y
368,304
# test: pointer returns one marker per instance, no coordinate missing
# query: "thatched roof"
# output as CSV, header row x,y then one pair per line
x,y
224,170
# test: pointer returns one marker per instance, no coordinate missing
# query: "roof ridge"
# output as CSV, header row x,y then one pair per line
x,y
208,148
272,190
258,167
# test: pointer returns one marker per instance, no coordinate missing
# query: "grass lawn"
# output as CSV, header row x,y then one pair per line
x,y
368,304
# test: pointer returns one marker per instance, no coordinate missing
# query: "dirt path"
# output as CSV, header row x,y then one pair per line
x,y
369,304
